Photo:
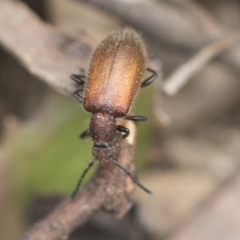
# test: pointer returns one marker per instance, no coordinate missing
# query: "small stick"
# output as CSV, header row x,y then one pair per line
x,y
186,71
109,189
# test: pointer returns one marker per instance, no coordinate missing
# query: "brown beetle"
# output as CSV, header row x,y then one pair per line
x,y
114,77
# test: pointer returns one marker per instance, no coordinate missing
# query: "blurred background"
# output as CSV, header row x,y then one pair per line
x,y
187,153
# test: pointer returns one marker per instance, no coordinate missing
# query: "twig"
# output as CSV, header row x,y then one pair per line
x,y
110,189
46,52
185,72
202,17
168,23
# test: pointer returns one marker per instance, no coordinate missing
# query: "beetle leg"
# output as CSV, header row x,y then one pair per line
x,y
85,134
124,130
78,96
79,79
136,118
150,79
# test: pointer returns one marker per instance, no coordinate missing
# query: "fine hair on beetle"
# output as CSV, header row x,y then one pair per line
x,y
114,77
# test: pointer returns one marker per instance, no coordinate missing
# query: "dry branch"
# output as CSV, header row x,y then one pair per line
x,y
186,71
45,51
109,189
172,24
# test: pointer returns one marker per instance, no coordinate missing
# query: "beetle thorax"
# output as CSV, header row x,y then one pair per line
x,y
103,131
102,128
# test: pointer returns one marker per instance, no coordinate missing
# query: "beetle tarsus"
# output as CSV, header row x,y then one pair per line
x,y
85,134
150,79
79,79
136,118
124,130
78,96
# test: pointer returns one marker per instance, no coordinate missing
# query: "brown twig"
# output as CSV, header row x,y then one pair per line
x,y
46,52
186,71
109,189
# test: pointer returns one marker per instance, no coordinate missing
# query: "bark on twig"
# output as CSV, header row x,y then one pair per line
x,y
109,189
46,52
186,71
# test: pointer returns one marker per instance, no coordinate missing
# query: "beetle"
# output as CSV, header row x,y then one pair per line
x,y
114,77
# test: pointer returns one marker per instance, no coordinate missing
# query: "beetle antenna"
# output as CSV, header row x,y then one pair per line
x,y
132,177
81,178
